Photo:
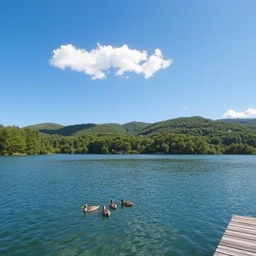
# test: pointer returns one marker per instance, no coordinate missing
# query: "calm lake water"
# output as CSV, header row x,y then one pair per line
x,y
182,204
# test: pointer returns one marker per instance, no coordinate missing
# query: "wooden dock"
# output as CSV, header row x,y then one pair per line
x,y
239,238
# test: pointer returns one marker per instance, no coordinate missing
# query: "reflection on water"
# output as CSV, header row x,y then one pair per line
x,y
182,204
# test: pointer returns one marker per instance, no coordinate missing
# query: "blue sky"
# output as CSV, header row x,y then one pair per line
x,y
212,45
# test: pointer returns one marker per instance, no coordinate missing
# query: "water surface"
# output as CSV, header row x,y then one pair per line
x,y
182,204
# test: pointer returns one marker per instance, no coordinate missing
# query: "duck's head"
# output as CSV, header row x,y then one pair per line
x,y
122,201
84,206
104,207
111,201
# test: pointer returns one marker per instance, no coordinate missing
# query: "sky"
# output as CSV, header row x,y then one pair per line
x,y
89,61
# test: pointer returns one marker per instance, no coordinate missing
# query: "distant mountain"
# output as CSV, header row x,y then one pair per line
x,y
192,125
250,122
81,129
184,125
110,128
45,126
135,127
70,129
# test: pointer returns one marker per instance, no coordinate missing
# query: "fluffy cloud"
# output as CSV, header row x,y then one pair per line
x,y
98,61
231,113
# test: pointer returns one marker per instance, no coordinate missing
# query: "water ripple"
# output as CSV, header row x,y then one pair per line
x,y
182,204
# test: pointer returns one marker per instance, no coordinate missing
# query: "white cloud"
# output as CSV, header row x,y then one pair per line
x,y
231,113
98,61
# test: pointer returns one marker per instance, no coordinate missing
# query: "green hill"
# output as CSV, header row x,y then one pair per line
x,y
194,126
103,129
83,129
197,126
135,127
45,126
70,129
249,122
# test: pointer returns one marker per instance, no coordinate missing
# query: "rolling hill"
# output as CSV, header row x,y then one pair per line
x,y
103,129
193,126
80,129
184,125
45,126
249,122
135,127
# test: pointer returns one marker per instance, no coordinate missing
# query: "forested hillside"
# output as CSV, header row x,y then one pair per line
x,y
135,127
45,126
249,122
81,129
194,126
191,135
183,125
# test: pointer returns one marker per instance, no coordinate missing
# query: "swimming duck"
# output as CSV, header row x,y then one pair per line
x,y
87,208
112,205
126,203
106,212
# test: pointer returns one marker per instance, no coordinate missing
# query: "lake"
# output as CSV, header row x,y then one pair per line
x,y
182,203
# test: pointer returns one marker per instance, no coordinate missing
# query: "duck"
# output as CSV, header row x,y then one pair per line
x,y
92,208
106,212
126,203
112,205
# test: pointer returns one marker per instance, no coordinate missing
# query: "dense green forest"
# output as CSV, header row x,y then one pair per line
x,y
191,135
250,122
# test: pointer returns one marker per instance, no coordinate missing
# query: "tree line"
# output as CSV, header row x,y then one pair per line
x,y
18,141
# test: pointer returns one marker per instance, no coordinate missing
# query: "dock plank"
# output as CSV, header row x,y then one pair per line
x,y
251,219
250,237
246,225
233,251
239,238
220,254
241,228
244,220
238,242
